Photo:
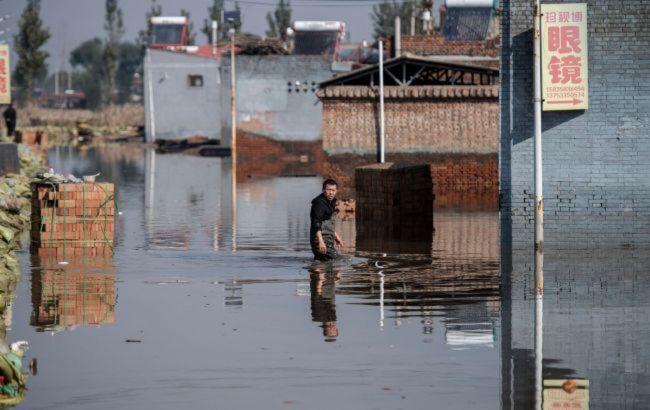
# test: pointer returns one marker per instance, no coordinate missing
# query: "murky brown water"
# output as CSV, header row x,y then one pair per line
x,y
231,314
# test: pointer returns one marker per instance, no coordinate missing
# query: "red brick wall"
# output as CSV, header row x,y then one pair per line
x,y
436,45
428,119
470,182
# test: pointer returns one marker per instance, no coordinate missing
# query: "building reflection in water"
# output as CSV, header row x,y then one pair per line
x,y
596,324
79,293
184,199
452,273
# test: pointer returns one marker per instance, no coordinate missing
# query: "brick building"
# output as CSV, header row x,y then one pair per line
x,y
596,162
445,114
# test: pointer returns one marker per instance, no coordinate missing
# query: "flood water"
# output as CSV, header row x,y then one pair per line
x,y
202,307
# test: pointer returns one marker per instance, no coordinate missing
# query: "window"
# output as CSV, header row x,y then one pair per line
x,y
195,80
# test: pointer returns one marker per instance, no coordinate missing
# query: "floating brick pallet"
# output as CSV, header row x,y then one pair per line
x,y
73,219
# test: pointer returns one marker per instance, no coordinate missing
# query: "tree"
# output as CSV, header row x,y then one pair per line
x,y
89,55
191,35
154,11
114,26
215,12
130,62
238,23
31,66
280,20
383,17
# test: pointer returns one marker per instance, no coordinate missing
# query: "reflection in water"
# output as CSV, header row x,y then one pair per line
x,y
188,206
566,394
471,325
322,285
596,324
184,196
79,293
233,294
453,273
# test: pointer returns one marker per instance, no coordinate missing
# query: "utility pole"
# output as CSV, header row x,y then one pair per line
x,y
215,27
381,102
539,207
56,82
233,139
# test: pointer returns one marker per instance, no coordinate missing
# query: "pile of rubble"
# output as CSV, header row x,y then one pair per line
x,y
250,44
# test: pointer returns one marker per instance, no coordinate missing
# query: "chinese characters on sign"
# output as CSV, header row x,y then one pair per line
x,y
564,57
5,75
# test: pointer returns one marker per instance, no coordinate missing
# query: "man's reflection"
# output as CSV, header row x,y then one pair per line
x,y
322,284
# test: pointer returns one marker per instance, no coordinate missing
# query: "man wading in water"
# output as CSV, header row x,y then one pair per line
x,y
321,233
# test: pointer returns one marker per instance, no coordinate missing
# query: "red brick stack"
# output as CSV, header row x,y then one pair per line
x,y
73,219
394,203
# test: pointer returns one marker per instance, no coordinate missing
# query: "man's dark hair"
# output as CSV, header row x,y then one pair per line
x,y
329,181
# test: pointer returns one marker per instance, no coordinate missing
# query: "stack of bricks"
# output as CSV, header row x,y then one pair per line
x,y
73,219
394,202
80,293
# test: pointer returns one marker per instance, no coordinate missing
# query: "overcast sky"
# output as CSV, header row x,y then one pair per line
x,y
74,21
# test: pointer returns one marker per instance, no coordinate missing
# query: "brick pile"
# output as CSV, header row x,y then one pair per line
x,y
73,219
468,181
80,293
388,208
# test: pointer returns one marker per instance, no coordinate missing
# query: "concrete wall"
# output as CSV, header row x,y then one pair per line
x,y
596,162
418,119
267,104
173,108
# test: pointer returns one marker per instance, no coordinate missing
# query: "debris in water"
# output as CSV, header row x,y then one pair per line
x,y
167,282
33,366
569,386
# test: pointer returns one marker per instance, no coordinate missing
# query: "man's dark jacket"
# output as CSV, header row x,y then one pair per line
x,y
321,210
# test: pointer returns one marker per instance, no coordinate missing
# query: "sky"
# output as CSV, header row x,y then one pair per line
x,y
73,21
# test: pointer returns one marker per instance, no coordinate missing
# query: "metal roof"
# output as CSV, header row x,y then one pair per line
x,y
409,70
